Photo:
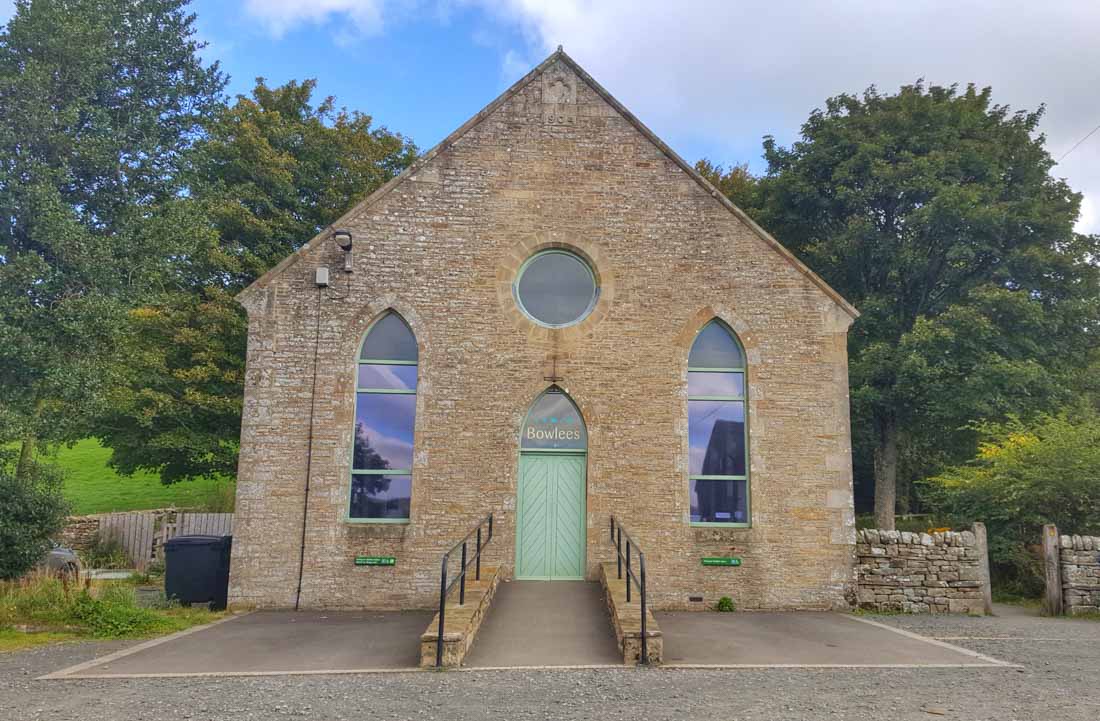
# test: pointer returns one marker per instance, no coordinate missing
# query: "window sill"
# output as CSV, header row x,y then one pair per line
x,y
709,524
377,521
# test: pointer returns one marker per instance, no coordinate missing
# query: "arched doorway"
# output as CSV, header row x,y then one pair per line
x,y
551,531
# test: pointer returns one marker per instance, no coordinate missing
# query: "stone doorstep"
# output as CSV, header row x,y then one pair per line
x,y
626,619
462,622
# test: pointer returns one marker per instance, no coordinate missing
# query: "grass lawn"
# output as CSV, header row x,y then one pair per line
x,y
91,486
12,640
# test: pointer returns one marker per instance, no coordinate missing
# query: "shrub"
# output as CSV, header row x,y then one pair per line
x,y
113,614
32,511
725,605
1024,476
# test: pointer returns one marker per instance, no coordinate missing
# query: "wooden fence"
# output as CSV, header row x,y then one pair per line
x,y
143,533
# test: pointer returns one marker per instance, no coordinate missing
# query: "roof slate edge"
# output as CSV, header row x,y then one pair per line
x,y
559,54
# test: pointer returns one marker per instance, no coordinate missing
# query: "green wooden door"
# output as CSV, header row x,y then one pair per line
x,y
550,522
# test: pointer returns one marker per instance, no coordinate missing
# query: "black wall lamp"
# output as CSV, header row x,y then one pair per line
x,y
342,237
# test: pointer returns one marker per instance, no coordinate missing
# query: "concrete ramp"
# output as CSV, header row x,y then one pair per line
x,y
546,623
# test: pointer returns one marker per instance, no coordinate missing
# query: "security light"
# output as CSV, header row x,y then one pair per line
x,y
343,239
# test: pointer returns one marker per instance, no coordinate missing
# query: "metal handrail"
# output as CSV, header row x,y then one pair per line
x,y
445,588
638,578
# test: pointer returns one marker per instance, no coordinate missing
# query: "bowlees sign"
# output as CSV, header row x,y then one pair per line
x,y
554,423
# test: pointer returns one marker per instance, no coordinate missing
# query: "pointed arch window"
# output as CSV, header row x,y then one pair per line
x,y
385,414
717,428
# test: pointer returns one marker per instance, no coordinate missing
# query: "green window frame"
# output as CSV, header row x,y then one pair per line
x,y
730,377
361,507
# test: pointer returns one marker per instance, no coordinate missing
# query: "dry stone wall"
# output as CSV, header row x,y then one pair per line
x,y
920,572
1080,566
79,532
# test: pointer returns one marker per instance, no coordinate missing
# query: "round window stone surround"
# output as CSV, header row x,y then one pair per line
x,y
556,288
525,246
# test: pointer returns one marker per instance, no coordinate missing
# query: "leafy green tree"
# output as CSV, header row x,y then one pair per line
x,y
100,100
32,510
272,170
934,212
736,183
1026,475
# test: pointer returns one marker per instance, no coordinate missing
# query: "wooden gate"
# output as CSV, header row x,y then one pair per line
x,y
134,531
143,533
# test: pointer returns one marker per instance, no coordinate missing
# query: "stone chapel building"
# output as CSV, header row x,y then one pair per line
x,y
552,317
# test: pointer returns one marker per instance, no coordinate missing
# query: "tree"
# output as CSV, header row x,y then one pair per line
x,y
99,103
934,212
271,171
32,510
737,183
1024,476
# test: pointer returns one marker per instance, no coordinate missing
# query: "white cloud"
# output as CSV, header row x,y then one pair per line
x,y
281,16
723,74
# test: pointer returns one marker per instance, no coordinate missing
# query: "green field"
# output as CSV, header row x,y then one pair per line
x,y
91,486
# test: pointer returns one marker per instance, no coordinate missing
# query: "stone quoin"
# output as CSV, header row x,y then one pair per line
x,y
549,316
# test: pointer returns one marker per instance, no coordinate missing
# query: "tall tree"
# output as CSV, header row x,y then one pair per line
x,y
934,211
99,102
736,183
272,170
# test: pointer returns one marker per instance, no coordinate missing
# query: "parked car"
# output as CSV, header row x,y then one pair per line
x,y
62,561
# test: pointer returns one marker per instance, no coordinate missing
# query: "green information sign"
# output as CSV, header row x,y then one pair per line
x,y
720,561
375,561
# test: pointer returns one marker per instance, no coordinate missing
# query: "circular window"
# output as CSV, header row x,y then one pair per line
x,y
556,288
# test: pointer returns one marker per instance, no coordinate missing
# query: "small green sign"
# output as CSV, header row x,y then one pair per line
x,y
375,561
721,561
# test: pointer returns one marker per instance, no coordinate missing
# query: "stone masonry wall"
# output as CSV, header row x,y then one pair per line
x,y
919,572
553,164
79,532
1080,562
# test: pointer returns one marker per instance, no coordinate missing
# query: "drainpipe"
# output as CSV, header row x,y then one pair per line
x,y
309,444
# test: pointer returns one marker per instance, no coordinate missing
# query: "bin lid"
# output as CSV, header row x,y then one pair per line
x,y
195,541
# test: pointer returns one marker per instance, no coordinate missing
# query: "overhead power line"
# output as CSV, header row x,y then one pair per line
x,y
1075,145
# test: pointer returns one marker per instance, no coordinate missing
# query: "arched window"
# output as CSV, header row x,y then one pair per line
x,y
385,412
717,434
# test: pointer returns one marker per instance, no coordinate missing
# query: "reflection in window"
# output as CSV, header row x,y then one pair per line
x,y
385,414
717,436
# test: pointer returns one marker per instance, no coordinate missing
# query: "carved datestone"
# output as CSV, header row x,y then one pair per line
x,y
559,97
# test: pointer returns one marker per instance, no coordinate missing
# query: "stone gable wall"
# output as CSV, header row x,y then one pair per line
x,y
919,572
554,165
1080,568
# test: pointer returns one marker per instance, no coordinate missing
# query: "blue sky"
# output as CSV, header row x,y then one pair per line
x,y
711,77
420,76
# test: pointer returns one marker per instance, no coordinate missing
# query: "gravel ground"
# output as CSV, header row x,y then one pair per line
x,y
1060,680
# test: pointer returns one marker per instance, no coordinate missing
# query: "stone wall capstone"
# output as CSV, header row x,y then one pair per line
x,y
919,572
1080,568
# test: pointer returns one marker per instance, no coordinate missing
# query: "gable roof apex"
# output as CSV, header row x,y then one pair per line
x,y
537,71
